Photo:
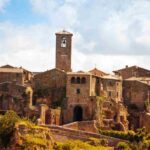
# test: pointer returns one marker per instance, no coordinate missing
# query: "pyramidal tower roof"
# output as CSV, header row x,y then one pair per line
x,y
64,32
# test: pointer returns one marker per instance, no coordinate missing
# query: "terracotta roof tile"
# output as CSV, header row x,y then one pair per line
x,y
97,72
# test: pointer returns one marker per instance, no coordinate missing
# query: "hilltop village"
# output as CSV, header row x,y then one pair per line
x,y
118,101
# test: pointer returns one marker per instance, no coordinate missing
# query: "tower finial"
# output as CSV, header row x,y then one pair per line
x,y
64,30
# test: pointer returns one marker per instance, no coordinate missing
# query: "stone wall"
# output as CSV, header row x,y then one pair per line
x,y
112,89
54,78
135,92
63,134
14,96
89,126
50,87
12,76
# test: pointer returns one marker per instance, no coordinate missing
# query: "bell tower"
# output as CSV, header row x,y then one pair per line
x,y
63,50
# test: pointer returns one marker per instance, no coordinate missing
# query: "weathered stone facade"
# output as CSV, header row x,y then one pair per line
x,y
49,87
136,92
15,97
80,94
83,88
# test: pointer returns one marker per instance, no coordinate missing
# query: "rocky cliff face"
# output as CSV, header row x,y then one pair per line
x,y
30,137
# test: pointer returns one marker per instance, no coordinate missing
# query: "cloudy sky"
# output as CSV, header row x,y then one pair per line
x,y
108,34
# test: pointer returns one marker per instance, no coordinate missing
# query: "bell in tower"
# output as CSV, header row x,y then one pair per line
x,y
63,42
63,50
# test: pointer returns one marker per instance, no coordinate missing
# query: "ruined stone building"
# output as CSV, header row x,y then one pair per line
x,y
15,91
136,93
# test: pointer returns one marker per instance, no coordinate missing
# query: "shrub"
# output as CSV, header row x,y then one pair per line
x,y
98,142
7,124
148,137
77,145
119,134
123,146
146,144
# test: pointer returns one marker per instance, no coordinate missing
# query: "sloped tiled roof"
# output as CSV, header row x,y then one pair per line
x,y
97,72
112,77
11,70
126,68
7,66
79,73
54,69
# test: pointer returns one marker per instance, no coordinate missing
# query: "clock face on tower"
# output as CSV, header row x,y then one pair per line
x,y
63,42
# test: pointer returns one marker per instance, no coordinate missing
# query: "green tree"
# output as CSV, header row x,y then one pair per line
x,y
7,124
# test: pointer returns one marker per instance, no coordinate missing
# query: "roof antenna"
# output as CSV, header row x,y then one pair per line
x,y
64,30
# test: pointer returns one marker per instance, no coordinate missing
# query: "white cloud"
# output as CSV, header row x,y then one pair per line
x,y
107,63
108,34
31,47
60,14
3,4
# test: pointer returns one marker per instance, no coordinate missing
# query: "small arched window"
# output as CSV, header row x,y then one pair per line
x,y
63,42
73,80
78,80
83,80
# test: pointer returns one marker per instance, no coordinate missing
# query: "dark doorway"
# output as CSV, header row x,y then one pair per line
x,y
77,113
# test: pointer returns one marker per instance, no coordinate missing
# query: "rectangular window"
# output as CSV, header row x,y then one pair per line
x,y
78,91
109,93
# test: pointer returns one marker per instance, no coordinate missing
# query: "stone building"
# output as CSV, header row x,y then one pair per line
x,y
10,73
136,91
82,92
136,94
14,89
133,71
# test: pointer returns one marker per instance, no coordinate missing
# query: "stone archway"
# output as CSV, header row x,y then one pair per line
x,y
77,113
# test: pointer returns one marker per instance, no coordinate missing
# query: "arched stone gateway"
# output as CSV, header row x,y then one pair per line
x,y
77,113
